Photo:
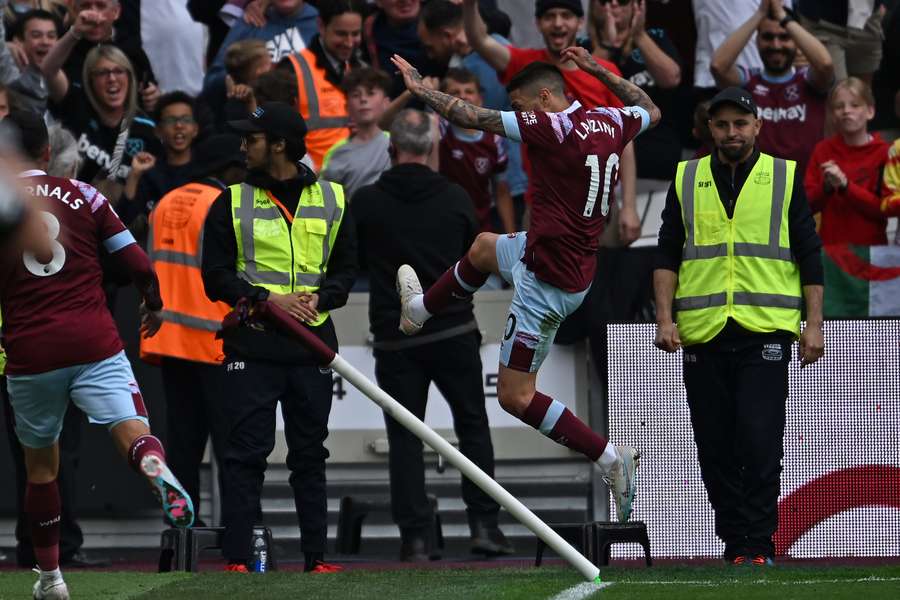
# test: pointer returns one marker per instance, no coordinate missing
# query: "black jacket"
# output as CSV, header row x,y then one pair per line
x,y
805,243
416,216
222,283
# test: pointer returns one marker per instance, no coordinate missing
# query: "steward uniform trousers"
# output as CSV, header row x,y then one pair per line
x,y
737,306
185,348
280,238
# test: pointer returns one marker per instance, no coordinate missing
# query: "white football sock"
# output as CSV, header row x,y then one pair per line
x,y
608,458
417,309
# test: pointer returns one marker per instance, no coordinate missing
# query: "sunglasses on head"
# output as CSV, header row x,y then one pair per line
x,y
771,37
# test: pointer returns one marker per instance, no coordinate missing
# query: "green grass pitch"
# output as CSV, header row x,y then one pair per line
x,y
550,582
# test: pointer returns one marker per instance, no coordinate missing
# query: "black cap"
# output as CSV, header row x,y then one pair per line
x,y
274,118
217,152
29,128
736,96
542,6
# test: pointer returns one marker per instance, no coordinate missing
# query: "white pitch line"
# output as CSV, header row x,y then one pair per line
x,y
580,591
716,583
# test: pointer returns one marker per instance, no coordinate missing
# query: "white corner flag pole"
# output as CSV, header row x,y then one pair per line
x,y
425,433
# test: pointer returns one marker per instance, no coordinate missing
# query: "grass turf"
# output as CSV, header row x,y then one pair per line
x,y
669,583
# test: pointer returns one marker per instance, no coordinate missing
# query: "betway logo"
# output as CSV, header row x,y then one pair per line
x,y
100,156
790,113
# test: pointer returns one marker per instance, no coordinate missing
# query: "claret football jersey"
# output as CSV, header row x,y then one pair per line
x,y
575,167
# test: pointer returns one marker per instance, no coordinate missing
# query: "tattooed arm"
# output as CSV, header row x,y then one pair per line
x,y
456,111
626,91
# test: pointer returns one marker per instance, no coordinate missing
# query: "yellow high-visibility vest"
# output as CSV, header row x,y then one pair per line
x,y
286,258
740,267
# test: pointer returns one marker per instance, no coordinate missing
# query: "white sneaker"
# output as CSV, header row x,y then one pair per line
x,y
50,586
622,481
408,287
174,499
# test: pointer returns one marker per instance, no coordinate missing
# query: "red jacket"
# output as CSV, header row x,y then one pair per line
x,y
853,215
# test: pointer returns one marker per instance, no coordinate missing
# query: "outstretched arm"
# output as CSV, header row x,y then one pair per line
x,y
627,92
453,109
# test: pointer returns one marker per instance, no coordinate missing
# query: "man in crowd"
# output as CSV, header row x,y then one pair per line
x,y
284,237
414,215
551,265
362,157
186,347
88,367
791,101
753,222
20,63
319,69
559,22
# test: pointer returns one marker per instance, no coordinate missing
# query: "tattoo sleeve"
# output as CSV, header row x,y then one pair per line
x,y
626,91
462,113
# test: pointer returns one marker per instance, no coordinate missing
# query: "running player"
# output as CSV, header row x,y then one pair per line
x,y
575,154
62,345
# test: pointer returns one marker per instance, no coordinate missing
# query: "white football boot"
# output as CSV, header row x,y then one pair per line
x,y
622,480
50,586
408,287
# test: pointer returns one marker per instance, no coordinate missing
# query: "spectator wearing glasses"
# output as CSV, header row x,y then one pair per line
x,y
791,101
151,179
647,58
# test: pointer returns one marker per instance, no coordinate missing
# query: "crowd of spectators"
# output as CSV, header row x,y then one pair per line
x,y
131,87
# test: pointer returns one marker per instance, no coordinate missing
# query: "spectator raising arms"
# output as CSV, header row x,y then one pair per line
x,y
844,175
105,118
93,24
647,58
890,205
791,102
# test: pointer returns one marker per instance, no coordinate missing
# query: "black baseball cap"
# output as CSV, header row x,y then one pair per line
x,y
276,119
217,152
542,6
735,96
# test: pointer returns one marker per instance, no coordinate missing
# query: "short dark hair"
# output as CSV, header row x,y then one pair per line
x,y
460,75
30,128
440,13
277,85
39,15
369,78
177,97
335,8
541,73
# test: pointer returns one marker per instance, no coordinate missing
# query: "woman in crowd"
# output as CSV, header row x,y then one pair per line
x,y
843,177
104,117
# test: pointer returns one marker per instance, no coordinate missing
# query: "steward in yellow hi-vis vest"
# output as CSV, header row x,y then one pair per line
x,y
285,237
739,259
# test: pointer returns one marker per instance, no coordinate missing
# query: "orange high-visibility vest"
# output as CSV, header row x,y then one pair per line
x,y
323,106
175,245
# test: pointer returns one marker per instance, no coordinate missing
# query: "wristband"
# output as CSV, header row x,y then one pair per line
x,y
788,17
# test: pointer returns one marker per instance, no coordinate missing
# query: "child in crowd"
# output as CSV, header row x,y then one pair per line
x,y
890,204
245,62
843,178
362,157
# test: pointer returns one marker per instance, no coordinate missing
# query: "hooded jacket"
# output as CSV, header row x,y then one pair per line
x,y
415,216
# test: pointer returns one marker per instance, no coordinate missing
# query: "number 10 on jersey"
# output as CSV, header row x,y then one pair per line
x,y
593,162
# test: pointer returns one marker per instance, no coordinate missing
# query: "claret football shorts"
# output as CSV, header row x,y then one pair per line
x,y
537,309
106,391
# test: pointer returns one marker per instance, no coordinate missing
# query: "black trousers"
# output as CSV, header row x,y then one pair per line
x,y
70,536
455,367
194,413
252,389
737,394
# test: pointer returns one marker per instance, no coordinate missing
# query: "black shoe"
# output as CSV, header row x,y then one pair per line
x,y
416,547
489,541
80,560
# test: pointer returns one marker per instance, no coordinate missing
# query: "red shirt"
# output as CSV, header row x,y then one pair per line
x,y
575,166
55,315
851,216
582,86
473,163
793,114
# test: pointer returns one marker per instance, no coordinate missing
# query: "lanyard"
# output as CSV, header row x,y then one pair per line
x,y
287,213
